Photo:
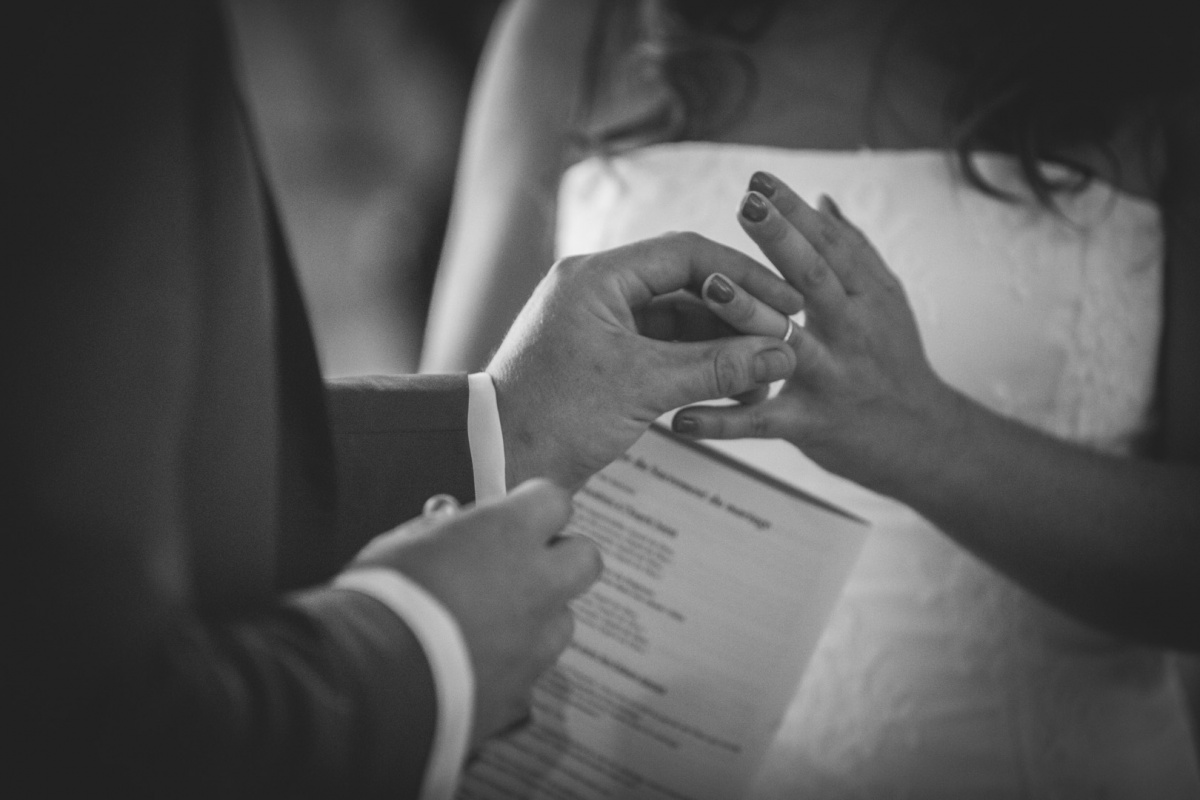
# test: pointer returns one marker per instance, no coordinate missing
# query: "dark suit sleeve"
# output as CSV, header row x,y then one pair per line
x,y
130,669
397,441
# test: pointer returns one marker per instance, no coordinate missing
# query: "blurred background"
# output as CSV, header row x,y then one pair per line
x,y
360,104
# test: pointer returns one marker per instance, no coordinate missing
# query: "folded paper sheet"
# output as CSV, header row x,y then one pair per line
x,y
718,582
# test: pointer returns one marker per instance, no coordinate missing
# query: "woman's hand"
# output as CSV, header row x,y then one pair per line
x,y
863,401
1108,539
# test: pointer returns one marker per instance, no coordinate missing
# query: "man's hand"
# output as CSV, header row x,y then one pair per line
x,y
506,575
584,371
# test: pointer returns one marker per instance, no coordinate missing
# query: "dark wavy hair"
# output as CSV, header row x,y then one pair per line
x,y
1034,78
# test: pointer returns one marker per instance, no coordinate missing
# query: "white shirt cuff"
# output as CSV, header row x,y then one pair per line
x,y
449,661
485,437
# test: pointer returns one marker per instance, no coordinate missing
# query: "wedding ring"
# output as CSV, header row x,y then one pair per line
x,y
790,332
440,506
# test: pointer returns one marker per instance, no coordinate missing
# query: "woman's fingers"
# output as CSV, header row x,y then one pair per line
x,y
843,246
866,258
768,420
748,315
757,416
742,311
654,267
788,248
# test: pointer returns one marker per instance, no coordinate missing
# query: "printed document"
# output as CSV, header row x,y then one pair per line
x,y
718,582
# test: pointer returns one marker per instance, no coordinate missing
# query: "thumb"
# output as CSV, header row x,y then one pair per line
x,y
699,371
534,512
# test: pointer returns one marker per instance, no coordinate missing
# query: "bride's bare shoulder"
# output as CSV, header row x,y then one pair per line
x,y
530,86
544,32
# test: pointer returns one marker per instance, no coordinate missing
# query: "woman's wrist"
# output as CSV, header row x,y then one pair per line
x,y
939,447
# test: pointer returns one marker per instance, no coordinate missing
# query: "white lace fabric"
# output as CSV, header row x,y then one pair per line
x,y
938,677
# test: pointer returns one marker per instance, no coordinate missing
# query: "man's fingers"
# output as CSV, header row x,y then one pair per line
x,y
575,563
674,261
537,510
790,250
747,314
556,635
695,372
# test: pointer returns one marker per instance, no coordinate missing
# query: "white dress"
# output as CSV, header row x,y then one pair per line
x,y
938,677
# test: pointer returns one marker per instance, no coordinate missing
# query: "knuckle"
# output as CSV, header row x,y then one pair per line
x,y
814,275
548,505
683,239
827,234
567,269
557,504
730,373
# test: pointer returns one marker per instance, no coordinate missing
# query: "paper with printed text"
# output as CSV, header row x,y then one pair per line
x,y
718,583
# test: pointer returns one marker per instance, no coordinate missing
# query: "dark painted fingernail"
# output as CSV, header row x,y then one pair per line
x,y
754,207
771,365
718,289
682,424
763,183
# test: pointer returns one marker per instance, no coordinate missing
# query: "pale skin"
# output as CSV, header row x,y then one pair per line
x,y
509,552
1112,541
579,378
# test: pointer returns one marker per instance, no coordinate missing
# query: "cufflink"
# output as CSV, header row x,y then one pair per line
x,y
440,506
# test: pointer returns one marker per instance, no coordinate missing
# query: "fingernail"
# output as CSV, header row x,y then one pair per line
x,y
682,424
763,183
754,207
771,365
718,289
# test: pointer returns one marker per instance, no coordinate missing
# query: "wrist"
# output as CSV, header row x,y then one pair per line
x,y
524,448
944,446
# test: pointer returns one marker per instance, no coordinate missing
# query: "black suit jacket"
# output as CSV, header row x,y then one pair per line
x,y
176,503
